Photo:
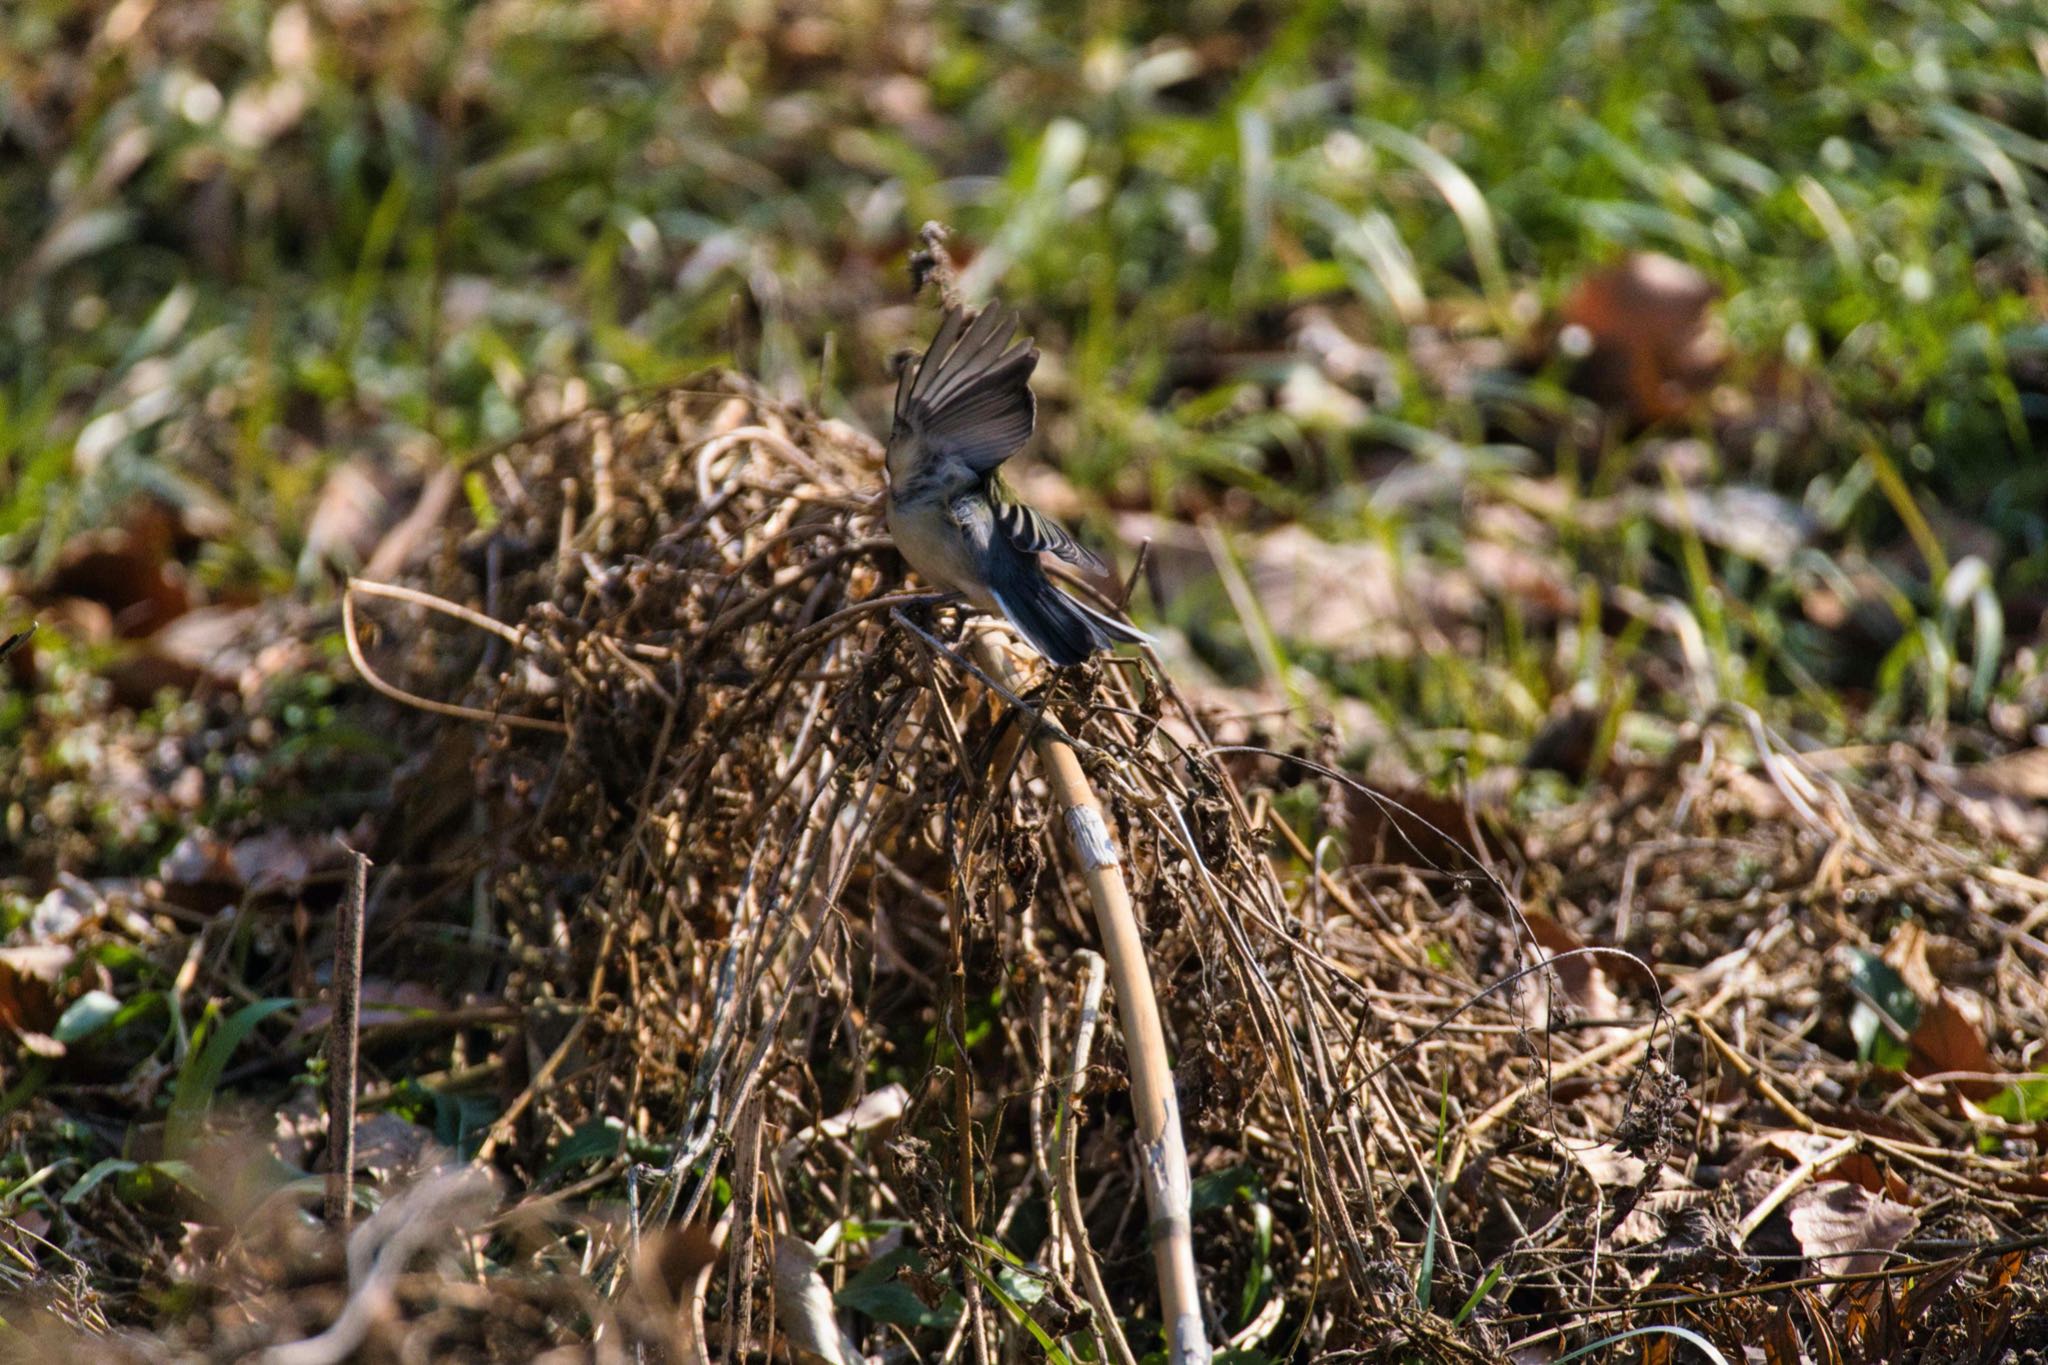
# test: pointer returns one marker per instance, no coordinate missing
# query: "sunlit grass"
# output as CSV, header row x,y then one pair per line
x,y
247,245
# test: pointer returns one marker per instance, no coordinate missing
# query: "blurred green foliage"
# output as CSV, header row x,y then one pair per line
x,y
248,242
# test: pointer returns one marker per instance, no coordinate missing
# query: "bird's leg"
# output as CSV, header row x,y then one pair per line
x,y
926,613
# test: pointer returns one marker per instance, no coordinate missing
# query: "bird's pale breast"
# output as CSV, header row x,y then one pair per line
x,y
934,545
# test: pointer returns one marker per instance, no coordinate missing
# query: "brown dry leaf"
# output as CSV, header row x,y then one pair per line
x,y
1413,827
129,570
1947,1040
352,513
803,1304
138,675
66,908
1793,1146
1343,598
1906,954
1844,1229
199,872
874,1110
1781,1341
2007,797
1309,397
215,642
301,1127
1754,523
204,866
669,1279
388,1148
1584,980
1860,1168
1928,1291
1569,735
1508,568
29,981
413,530
278,858
1648,334
1827,1347
1871,1324
2023,774
1608,1165
383,1002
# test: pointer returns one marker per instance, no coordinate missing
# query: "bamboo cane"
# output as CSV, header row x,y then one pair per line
x,y
1164,1154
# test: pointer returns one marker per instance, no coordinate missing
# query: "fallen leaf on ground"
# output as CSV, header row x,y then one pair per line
x,y
389,1148
1844,1229
29,980
280,858
382,1002
2023,774
1411,827
1948,1040
875,1109
803,1303
1584,980
352,512
128,569
1646,334
1794,1146
199,872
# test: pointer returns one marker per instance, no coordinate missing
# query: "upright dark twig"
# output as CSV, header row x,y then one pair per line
x,y
343,1036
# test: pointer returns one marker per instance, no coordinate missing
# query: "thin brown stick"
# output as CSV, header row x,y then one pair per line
x,y
1069,1192
343,1039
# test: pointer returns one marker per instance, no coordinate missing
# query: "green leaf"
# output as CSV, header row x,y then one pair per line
x,y
1218,1188
598,1138
1261,1277
98,1175
85,1016
2024,1101
460,1121
192,1093
1020,1316
478,494
1478,1296
1885,1012
1020,1285
22,1091
1685,1334
877,1293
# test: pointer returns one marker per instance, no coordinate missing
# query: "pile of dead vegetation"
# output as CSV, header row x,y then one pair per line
x,y
726,913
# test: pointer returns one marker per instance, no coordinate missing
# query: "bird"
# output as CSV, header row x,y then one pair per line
x,y
962,408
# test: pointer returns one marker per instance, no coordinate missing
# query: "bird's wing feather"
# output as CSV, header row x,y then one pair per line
x,y
967,402
1031,531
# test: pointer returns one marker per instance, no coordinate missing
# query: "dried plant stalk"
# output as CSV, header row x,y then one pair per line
x,y
1163,1153
344,1037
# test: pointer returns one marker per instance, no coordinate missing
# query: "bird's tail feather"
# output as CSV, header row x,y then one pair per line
x,y
1059,627
1122,632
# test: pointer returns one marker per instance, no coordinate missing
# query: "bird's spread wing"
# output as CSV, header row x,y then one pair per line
x,y
966,404
1031,531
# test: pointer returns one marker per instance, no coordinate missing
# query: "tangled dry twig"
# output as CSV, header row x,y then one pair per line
x,y
758,804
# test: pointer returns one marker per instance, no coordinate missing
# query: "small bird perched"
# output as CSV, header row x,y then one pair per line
x,y
962,408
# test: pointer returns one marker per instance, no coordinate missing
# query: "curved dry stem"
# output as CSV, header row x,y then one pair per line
x,y
414,700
